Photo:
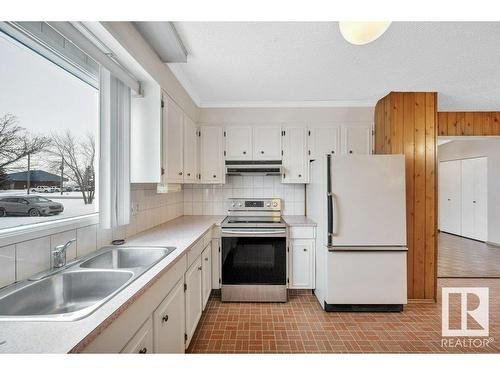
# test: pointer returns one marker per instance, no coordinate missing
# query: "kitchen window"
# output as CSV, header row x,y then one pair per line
x,y
49,127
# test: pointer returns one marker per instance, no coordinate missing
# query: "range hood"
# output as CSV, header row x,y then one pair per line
x,y
253,167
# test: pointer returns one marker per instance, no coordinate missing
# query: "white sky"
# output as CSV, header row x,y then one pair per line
x,y
43,96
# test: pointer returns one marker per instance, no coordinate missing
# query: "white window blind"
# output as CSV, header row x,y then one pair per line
x,y
114,179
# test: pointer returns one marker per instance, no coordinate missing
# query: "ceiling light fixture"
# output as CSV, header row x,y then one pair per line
x,y
360,33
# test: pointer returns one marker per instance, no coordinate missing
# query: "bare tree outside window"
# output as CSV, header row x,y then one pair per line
x,y
78,158
16,143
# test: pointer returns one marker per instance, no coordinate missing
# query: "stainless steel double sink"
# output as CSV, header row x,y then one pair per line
x,y
80,288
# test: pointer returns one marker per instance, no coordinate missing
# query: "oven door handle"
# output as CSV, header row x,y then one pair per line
x,y
254,232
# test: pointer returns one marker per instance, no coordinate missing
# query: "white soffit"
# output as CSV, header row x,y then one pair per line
x,y
266,64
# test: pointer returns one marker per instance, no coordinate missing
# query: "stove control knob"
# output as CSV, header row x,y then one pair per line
x,y
233,204
240,204
275,204
268,204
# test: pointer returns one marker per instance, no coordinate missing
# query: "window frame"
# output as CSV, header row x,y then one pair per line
x,y
21,233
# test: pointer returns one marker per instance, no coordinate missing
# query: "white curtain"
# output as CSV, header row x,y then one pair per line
x,y
114,172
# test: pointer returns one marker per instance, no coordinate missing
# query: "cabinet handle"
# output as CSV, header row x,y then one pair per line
x,y
305,249
143,350
244,152
473,201
449,199
262,152
165,318
199,268
215,175
189,174
206,259
180,173
350,151
300,175
333,152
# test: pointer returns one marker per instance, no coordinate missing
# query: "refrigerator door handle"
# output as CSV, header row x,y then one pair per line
x,y
329,199
335,216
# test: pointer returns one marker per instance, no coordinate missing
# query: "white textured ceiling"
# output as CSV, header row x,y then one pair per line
x,y
309,63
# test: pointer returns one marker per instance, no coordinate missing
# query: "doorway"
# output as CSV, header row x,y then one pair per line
x,y
468,207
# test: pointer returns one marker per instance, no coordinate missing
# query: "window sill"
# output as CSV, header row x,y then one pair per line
x,y
29,232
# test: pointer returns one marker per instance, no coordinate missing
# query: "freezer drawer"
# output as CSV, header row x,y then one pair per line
x,y
366,278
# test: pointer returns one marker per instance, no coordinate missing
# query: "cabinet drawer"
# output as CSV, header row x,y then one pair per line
x,y
207,238
194,252
301,232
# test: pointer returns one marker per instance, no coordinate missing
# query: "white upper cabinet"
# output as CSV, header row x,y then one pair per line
x,y
267,143
323,140
190,151
173,125
212,155
295,158
145,135
356,140
238,143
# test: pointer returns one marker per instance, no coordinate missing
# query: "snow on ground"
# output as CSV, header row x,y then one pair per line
x,y
72,202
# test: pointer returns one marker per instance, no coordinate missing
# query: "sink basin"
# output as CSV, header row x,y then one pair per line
x,y
128,257
63,294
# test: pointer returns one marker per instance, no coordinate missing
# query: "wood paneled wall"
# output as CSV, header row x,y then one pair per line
x,y
468,123
405,123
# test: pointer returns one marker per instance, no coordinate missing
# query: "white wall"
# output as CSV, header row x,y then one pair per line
x,y
212,199
20,260
472,148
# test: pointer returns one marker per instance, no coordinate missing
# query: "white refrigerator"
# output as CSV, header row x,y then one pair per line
x,y
358,203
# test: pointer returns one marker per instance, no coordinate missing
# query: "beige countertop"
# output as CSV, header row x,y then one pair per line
x,y
298,221
63,337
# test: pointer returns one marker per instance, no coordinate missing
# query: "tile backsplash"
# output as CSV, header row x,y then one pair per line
x,y
21,260
212,199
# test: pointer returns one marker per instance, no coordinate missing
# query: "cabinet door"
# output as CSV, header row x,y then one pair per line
x,y
212,155
323,140
216,260
206,271
295,158
449,196
267,143
302,264
142,341
193,298
190,150
169,322
174,152
356,140
238,143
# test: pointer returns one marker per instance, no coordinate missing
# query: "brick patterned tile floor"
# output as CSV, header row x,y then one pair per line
x,y
461,257
301,326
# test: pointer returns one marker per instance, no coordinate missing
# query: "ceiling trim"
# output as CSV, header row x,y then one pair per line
x,y
289,104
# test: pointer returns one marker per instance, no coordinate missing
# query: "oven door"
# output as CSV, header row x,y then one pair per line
x,y
253,256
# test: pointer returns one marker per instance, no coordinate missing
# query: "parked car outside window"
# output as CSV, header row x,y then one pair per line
x,y
29,206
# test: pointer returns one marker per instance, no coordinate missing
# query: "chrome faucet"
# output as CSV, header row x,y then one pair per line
x,y
59,254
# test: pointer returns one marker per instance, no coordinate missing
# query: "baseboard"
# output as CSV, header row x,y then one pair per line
x,y
493,243
421,300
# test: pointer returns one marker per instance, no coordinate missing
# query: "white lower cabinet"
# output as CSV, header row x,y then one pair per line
x,y
193,296
169,322
302,264
142,341
206,274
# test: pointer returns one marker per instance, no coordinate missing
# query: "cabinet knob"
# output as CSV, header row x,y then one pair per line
x,y
199,268
143,350
305,249
165,318
300,175
180,173
189,174
473,201
262,152
215,175
206,259
350,151
449,199
244,152
333,152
